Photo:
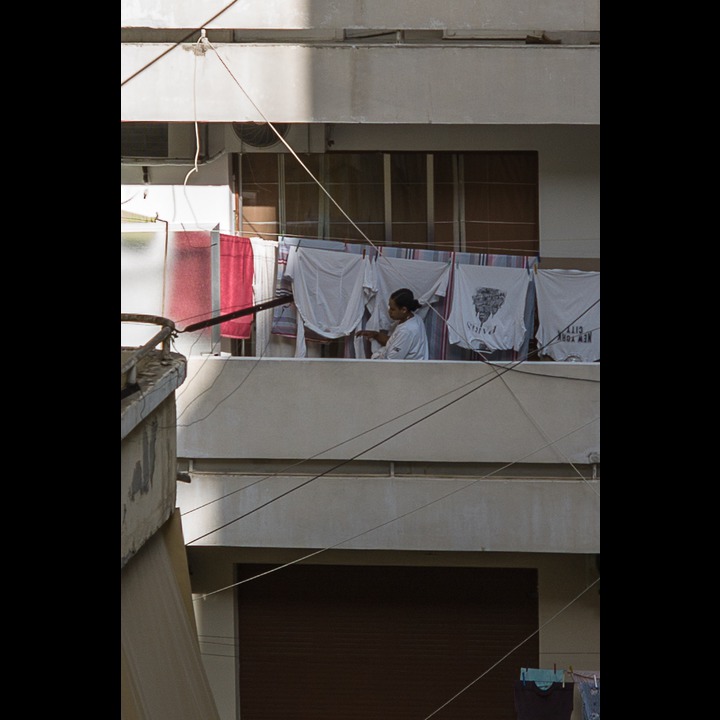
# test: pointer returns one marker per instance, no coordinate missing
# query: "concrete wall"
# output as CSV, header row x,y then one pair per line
x,y
434,456
431,512
534,84
148,470
338,409
330,14
148,444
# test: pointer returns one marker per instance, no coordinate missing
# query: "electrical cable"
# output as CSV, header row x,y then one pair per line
x,y
383,524
507,655
180,42
354,457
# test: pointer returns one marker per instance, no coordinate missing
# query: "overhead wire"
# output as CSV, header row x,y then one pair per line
x,y
372,447
178,43
383,524
510,652
200,44
229,641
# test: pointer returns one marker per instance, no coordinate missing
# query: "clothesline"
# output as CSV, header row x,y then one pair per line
x,y
457,327
253,269
436,245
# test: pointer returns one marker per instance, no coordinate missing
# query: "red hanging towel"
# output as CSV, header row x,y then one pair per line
x,y
236,278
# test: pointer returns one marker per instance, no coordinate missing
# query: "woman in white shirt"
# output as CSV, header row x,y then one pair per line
x,y
406,339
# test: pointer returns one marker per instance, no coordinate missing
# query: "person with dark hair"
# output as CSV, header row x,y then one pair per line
x,y
406,338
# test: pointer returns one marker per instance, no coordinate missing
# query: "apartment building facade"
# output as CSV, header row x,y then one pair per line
x,y
372,539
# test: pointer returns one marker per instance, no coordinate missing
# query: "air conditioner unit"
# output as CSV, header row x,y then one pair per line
x,y
258,137
145,142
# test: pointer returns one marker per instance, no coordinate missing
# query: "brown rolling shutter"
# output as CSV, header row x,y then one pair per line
x,y
329,642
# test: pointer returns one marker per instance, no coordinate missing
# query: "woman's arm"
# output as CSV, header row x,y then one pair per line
x,y
380,335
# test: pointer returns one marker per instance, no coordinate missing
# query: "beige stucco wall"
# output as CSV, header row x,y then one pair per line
x,y
425,513
434,411
534,84
508,467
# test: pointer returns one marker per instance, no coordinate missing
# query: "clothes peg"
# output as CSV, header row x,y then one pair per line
x,y
595,679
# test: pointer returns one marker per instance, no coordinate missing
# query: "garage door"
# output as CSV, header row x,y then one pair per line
x,y
330,642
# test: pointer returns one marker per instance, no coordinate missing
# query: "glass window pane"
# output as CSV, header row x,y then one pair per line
x,y
302,208
444,202
260,195
501,202
356,185
409,202
443,167
408,192
343,230
408,173
513,167
444,236
295,172
355,168
259,168
410,234
502,239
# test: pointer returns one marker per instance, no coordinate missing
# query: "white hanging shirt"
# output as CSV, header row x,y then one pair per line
x,y
328,292
427,279
568,306
488,307
264,263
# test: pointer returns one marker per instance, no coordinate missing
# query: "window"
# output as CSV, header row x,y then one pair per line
x,y
260,195
302,197
470,202
356,182
500,202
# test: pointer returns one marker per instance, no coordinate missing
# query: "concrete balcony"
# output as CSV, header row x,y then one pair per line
x,y
458,84
434,455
